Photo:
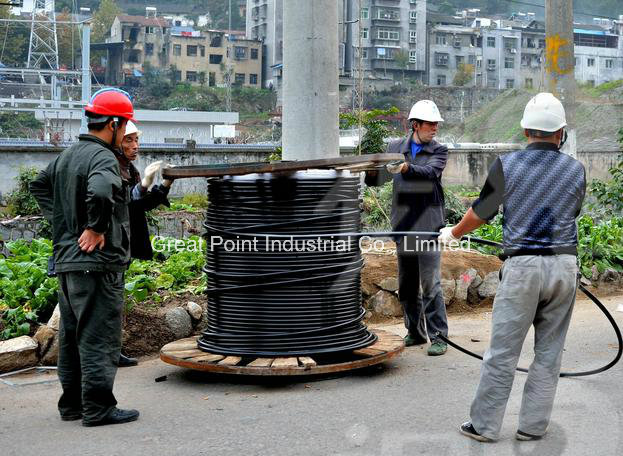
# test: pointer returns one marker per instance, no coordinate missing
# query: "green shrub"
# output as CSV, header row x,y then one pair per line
x,y
20,201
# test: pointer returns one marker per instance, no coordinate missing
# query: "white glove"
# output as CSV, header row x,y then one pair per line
x,y
446,236
395,167
150,174
167,182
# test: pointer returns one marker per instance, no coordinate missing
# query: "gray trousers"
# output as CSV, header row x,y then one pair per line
x,y
424,310
89,342
539,291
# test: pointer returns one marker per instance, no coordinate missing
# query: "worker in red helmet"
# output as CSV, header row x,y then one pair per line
x,y
83,196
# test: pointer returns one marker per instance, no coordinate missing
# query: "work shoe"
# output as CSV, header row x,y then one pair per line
x,y
520,435
411,341
71,416
115,416
125,361
468,430
437,348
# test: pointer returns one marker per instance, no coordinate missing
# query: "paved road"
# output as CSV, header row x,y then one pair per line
x,y
412,406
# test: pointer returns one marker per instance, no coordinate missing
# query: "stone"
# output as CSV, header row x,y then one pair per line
x,y
179,322
609,275
51,356
489,286
472,291
386,304
367,288
18,353
448,287
194,310
389,284
584,281
594,274
44,338
55,320
463,282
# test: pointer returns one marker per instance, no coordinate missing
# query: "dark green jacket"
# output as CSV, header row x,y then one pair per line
x,y
82,188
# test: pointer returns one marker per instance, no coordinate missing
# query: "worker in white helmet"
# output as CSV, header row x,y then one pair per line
x,y
418,205
142,199
541,191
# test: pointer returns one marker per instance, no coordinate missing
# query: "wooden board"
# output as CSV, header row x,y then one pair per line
x,y
385,348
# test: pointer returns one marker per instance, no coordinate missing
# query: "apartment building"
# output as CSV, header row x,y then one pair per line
x,y
265,23
599,51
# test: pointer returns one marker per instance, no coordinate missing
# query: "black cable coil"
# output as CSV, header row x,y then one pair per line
x,y
284,296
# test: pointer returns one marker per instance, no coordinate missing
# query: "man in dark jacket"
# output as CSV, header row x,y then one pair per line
x,y
418,205
82,195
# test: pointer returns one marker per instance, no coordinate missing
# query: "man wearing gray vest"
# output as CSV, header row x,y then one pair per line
x,y
541,190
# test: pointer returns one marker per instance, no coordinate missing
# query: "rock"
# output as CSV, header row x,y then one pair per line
x,y
367,288
447,288
609,275
389,284
18,353
195,310
51,356
386,304
203,324
367,315
55,320
472,291
44,337
584,281
594,274
489,285
178,321
462,284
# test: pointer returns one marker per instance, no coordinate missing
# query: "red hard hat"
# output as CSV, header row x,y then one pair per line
x,y
111,102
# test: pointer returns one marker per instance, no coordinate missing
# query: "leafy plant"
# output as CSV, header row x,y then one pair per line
x,y
377,204
20,201
373,141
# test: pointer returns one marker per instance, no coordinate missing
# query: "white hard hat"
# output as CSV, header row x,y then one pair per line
x,y
544,112
131,128
425,110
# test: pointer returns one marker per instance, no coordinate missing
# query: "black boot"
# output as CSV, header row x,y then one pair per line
x,y
124,361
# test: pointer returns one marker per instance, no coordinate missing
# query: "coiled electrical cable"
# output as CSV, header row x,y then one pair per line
x,y
278,296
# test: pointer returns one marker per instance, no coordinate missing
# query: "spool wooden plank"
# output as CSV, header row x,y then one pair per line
x,y
230,361
368,352
184,353
285,362
307,362
181,345
261,362
208,358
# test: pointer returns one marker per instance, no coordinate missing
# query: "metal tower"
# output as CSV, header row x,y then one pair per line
x,y
43,49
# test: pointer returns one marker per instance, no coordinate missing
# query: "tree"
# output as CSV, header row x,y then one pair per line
x,y
14,40
464,75
401,58
103,19
375,126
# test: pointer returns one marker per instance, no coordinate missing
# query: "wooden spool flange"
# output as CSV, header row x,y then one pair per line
x,y
184,353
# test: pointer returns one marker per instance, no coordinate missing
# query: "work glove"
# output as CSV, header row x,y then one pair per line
x,y
167,182
150,174
396,167
446,236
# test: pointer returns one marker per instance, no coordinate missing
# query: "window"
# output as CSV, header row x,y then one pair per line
x,y
364,33
441,59
255,54
387,14
576,61
212,79
216,59
413,16
149,48
491,41
458,60
479,62
239,78
240,52
590,62
412,36
191,51
191,76
509,62
177,49
365,13
528,84
440,38
471,59
441,79
202,50
412,56
253,79
150,30
364,53
510,83
381,53
216,41
177,75
609,63
491,64
386,34
541,44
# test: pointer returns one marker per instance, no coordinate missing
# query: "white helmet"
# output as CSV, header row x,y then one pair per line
x,y
425,110
544,112
131,128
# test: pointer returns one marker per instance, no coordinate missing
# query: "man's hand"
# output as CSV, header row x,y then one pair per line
x,y
150,174
446,236
397,167
89,240
167,182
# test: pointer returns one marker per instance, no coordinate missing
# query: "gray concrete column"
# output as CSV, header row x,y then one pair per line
x,y
310,80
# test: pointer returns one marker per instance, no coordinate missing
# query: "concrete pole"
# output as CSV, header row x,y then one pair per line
x,y
86,71
310,86
560,62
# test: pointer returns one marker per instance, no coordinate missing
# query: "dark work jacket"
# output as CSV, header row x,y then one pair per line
x,y
140,245
82,188
417,201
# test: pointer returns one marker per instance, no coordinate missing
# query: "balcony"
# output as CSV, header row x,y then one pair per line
x,y
386,15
